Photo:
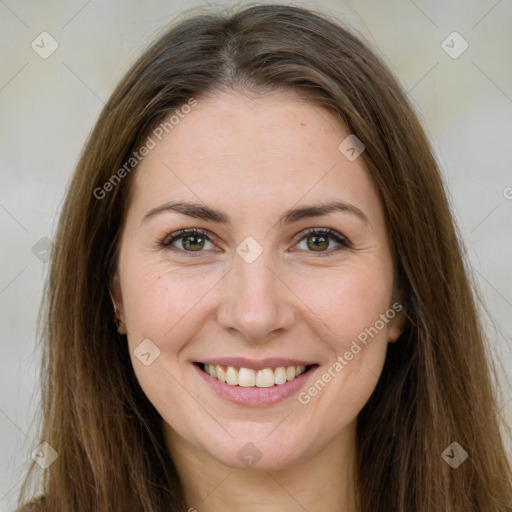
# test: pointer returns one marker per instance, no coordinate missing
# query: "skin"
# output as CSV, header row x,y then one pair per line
x,y
254,157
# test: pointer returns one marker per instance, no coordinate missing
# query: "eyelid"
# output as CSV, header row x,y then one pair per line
x,y
342,240
172,237
168,240
338,237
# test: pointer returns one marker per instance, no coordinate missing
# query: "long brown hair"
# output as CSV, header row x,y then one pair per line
x,y
437,383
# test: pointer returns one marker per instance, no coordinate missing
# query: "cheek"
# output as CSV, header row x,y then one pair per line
x,y
165,305
161,305
159,297
348,301
356,314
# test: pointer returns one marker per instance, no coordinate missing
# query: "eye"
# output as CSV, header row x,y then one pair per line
x,y
318,240
190,240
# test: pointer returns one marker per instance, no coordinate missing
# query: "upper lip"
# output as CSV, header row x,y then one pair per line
x,y
242,362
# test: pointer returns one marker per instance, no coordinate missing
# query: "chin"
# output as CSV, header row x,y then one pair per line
x,y
258,455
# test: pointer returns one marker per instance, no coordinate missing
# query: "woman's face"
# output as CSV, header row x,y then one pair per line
x,y
253,293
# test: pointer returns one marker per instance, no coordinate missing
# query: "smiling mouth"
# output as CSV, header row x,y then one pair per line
x,y
250,378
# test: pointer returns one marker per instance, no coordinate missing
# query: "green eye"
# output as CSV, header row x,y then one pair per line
x,y
318,240
192,240
319,243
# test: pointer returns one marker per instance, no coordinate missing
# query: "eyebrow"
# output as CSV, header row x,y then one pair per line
x,y
207,213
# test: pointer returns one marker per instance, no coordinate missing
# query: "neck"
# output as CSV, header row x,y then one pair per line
x,y
323,481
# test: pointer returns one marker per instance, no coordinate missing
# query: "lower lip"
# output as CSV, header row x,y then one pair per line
x,y
253,396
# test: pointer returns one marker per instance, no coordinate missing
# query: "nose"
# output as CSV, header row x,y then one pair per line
x,y
256,304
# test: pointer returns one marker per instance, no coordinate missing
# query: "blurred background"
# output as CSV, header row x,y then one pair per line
x,y
61,60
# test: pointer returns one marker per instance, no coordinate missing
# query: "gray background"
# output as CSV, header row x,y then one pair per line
x,y
49,105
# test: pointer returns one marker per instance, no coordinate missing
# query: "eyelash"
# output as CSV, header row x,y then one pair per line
x,y
167,242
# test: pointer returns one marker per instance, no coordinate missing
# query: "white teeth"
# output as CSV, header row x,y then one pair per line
x,y
264,378
221,374
280,375
247,377
232,376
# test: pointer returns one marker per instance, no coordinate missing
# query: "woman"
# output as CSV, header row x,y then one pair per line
x,y
294,325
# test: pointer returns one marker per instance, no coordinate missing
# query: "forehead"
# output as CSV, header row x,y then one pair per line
x,y
245,151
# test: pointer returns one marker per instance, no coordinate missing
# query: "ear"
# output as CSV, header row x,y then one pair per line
x,y
117,298
397,323
396,311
